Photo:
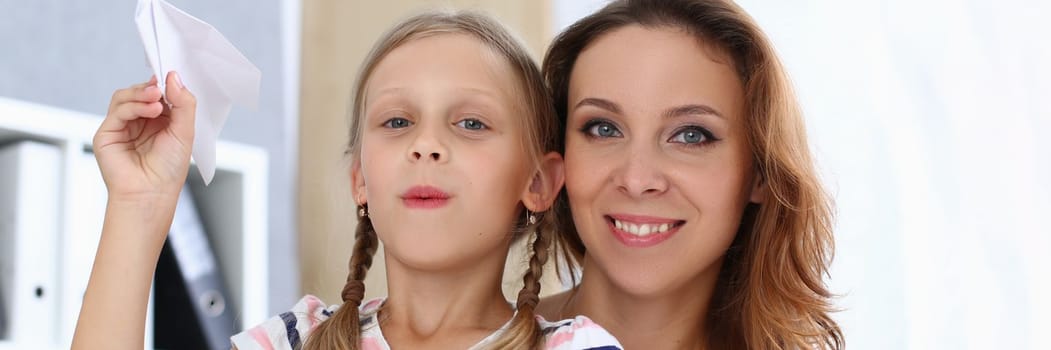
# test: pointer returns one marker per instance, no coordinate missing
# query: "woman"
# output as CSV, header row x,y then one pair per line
x,y
698,220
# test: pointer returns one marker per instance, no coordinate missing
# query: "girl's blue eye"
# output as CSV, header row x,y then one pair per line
x,y
692,135
601,128
471,124
397,123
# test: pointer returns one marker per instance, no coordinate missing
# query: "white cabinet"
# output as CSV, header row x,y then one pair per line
x,y
233,209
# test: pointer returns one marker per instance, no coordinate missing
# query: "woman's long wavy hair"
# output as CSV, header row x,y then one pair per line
x,y
540,136
770,293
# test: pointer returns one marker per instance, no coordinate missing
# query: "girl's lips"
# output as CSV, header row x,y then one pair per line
x,y
425,197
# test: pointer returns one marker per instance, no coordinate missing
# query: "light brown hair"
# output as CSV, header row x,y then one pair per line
x,y
540,129
770,293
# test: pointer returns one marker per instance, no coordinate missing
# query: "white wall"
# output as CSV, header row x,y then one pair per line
x,y
927,118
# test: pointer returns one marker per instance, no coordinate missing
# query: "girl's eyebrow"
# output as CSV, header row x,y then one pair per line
x,y
487,93
478,90
389,91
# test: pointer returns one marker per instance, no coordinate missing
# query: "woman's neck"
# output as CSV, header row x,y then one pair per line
x,y
672,319
431,308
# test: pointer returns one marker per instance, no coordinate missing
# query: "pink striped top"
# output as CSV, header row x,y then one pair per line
x,y
290,329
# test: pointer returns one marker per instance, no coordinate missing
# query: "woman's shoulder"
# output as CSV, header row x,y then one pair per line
x,y
578,333
289,329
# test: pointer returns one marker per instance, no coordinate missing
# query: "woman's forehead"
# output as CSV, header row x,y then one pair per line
x,y
659,67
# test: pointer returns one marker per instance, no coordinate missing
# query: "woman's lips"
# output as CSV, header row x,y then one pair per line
x,y
642,231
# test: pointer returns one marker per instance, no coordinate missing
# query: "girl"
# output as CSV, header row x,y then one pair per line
x,y
698,220
452,147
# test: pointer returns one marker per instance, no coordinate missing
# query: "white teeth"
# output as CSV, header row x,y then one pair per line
x,y
641,230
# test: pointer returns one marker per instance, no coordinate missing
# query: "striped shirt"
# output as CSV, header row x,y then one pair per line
x,y
290,329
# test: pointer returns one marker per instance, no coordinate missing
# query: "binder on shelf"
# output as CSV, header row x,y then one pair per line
x,y
30,181
86,197
192,304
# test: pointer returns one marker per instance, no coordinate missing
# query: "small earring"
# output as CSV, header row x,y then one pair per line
x,y
362,212
532,217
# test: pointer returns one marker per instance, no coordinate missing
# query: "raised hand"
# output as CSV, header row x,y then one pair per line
x,y
143,146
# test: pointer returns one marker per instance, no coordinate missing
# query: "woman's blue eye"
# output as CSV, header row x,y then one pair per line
x,y
397,123
692,135
601,129
471,124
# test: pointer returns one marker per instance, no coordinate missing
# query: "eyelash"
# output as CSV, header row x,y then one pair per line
x,y
463,124
707,137
390,123
589,131
592,124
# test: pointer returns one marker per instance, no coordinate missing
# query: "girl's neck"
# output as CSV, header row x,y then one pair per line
x,y
424,304
673,319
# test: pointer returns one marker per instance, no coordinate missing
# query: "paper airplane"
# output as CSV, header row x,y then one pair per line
x,y
208,65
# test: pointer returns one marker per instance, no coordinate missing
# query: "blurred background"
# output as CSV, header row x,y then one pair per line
x,y
927,118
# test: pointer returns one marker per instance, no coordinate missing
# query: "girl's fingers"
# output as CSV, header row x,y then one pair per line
x,y
123,113
145,92
139,100
144,101
129,111
183,108
152,81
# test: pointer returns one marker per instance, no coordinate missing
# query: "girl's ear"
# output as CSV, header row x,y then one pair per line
x,y
546,183
357,183
759,188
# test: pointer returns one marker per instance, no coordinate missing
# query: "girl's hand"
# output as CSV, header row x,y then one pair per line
x,y
143,146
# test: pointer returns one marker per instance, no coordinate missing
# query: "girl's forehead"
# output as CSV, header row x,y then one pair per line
x,y
448,60
455,65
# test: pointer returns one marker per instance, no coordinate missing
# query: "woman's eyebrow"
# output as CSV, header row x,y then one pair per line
x,y
600,103
674,112
691,109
